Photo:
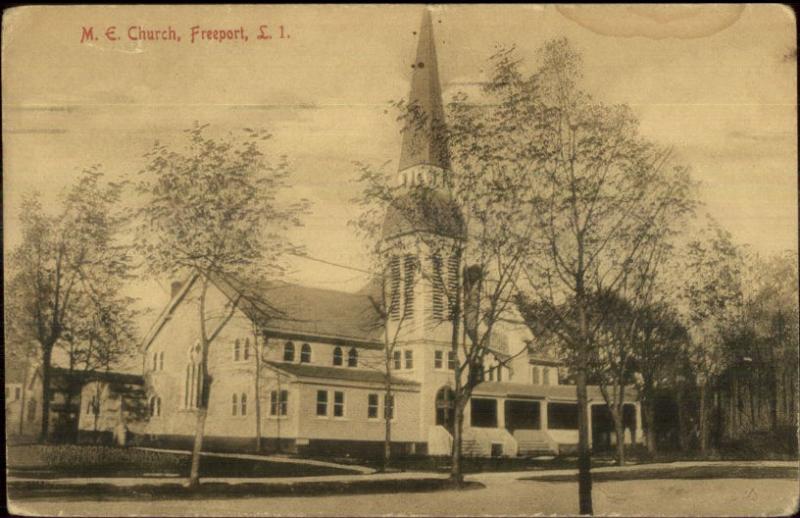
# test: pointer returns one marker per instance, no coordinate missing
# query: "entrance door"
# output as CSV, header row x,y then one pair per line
x,y
445,412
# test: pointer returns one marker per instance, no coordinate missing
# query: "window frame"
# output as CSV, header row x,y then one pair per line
x,y
408,359
305,353
376,406
438,359
323,401
338,357
397,360
339,406
288,352
352,357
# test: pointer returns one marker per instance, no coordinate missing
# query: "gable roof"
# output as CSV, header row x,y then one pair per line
x,y
305,371
301,312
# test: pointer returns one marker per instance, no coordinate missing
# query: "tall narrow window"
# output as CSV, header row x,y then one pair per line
x,y
288,352
394,272
322,403
243,404
546,376
161,361
246,351
409,357
234,405
438,359
283,406
437,284
352,357
338,404
155,361
388,407
337,356
372,406
305,354
158,406
451,360
535,375
409,267
273,402
236,350
397,360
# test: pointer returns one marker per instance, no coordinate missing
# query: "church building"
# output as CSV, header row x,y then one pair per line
x,y
311,379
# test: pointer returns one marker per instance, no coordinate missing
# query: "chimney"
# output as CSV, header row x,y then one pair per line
x,y
175,288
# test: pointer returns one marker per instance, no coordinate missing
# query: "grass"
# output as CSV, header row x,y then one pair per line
x,y
688,472
45,490
54,461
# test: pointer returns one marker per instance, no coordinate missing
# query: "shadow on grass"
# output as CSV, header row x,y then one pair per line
x,y
169,491
688,473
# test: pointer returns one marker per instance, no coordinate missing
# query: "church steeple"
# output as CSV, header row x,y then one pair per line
x,y
424,156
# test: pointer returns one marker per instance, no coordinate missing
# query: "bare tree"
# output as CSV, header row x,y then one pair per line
x,y
213,209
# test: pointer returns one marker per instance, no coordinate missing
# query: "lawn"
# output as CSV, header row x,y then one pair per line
x,y
717,472
55,461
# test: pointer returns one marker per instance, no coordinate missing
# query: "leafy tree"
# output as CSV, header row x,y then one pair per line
x,y
69,268
711,298
213,209
598,193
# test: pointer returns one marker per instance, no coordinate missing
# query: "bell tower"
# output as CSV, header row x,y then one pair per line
x,y
423,227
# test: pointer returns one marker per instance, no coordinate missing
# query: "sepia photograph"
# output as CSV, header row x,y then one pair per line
x,y
401,260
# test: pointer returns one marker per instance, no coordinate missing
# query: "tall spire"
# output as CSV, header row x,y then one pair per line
x,y
424,135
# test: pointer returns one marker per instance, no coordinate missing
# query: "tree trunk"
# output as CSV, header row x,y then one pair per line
x,y
455,471
387,438
703,421
648,408
194,474
46,358
619,431
584,456
257,356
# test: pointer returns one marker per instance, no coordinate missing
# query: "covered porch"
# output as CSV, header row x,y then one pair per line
x,y
505,419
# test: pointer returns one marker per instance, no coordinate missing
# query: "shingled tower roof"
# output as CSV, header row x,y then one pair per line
x,y
424,138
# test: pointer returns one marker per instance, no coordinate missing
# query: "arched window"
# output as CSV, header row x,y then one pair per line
x,y
234,405
246,355
437,304
337,356
158,406
394,275
155,361
243,400
352,357
236,350
187,385
409,269
288,352
305,354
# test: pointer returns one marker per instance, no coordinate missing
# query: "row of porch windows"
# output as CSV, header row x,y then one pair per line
x,y
526,415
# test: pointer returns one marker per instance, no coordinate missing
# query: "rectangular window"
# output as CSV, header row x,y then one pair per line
x,y
562,416
16,393
397,360
546,376
388,407
535,374
338,404
451,360
234,405
372,406
484,413
278,402
322,403
409,356
438,359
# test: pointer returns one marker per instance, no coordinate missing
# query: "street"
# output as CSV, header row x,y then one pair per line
x,y
503,495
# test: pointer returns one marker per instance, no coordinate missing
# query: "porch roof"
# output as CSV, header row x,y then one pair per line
x,y
317,372
552,392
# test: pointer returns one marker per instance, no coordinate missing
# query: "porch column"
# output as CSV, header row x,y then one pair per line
x,y
589,422
543,415
638,433
501,413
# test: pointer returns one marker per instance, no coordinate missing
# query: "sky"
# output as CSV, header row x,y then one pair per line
x,y
716,83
